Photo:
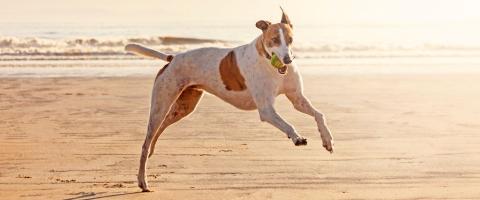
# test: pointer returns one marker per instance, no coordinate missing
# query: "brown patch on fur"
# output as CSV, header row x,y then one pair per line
x,y
272,32
186,102
230,73
285,18
263,25
161,71
170,58
260,47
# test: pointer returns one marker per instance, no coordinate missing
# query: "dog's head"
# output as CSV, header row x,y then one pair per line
x,y
277,39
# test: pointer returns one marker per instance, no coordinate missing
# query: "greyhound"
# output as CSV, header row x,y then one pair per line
x,y
244,77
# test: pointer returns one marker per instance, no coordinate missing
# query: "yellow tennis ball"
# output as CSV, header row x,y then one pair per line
x,y
275,61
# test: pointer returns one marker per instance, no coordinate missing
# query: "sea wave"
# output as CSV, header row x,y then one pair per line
x,y
30,48
27,42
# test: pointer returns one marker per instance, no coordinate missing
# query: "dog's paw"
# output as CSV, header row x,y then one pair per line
x,y
143,185
328,143
300,141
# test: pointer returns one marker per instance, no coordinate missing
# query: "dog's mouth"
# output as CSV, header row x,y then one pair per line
x,y
283,70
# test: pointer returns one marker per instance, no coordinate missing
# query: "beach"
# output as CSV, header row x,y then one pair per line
x,y
398,82
397,136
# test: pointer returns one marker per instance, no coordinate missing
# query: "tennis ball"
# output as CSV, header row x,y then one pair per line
x,y
275,61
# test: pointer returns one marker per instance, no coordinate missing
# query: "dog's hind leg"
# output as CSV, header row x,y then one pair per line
x,y
165,93
184,105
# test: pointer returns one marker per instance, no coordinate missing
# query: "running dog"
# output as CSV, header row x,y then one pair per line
x,y
244,77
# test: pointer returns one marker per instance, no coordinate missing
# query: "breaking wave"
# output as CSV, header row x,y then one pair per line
x,y
11,46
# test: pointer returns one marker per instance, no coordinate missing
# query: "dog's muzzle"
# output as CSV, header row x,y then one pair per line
x,y
282,70
287,60
278,64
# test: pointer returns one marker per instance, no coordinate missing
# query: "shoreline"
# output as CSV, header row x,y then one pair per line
x,y
149,67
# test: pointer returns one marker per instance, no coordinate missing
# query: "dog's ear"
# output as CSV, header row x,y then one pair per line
x,y
263,25
285,19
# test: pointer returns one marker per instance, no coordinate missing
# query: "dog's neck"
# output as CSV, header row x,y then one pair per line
x,y
261,49
262,53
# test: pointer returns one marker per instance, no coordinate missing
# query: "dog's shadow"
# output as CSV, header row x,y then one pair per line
x,y
90,196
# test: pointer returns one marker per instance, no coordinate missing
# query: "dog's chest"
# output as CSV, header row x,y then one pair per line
x,y
245,99
240,99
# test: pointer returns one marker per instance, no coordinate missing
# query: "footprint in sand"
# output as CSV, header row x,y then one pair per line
x,y
65,180
117,185
23,176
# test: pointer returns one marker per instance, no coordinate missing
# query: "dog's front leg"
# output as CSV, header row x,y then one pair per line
x,y
302,104
268,114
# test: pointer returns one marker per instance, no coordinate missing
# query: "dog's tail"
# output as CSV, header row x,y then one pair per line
x,y
144,51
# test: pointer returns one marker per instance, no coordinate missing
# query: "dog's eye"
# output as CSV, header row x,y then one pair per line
x,y
276,40
290,40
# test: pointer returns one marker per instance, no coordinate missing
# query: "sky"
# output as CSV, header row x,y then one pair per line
x,y
336,12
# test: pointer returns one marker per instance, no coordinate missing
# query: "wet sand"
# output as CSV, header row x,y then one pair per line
x,y
397,137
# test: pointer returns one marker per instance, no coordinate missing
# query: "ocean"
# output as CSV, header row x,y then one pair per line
x,y
97,49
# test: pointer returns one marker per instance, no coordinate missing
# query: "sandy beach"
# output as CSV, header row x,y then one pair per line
x,y
398,82
398,136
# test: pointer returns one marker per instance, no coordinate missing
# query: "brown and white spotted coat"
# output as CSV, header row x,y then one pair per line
x,y
241,76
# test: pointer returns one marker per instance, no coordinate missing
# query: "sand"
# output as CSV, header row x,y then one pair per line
x,y
397,137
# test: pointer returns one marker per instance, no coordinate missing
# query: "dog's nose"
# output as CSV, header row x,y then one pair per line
x,y
287,60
